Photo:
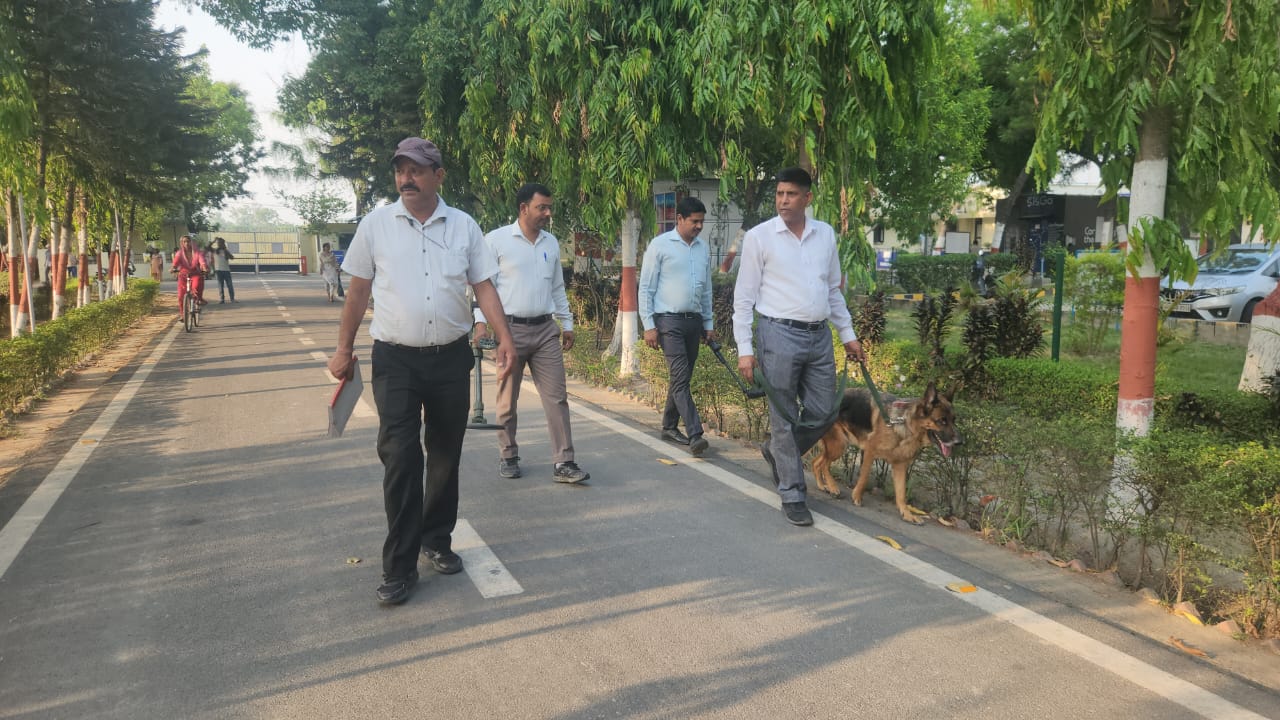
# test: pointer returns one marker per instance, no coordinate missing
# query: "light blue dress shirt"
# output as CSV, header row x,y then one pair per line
x,y
675,277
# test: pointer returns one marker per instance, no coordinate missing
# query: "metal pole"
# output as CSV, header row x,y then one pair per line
x,y
1057,304
478,421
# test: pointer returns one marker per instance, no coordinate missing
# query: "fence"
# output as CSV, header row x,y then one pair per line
x,y
260,250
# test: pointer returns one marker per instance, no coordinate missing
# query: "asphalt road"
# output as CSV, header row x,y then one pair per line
x,y
192,546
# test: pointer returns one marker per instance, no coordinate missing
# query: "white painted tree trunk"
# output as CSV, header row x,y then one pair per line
x,y
1262,361
83,283
58,241
628,315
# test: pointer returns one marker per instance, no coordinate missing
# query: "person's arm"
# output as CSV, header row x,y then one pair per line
x,y
745,293
646,288
708,313
489,302
353,310
839,312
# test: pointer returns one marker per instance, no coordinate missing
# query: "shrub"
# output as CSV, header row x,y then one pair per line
x,y
1019,332
28,363
1094,285
1044,389
869,320
933,322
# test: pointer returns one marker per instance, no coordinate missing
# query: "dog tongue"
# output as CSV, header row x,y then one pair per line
x,y
946,449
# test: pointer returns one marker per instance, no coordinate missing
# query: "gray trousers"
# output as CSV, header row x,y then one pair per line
x,y
680,338
801,367
538,348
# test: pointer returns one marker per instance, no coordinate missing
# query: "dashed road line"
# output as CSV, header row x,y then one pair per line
x,y
484,568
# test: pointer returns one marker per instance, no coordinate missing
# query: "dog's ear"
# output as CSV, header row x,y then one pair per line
x,y
930,395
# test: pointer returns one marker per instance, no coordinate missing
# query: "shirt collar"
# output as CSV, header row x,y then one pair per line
x,y
780,227
441,209
516,232
675,237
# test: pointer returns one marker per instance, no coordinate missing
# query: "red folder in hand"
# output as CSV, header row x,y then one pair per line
x,y
344,400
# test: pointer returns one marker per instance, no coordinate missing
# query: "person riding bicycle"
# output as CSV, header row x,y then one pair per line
x,y
188,263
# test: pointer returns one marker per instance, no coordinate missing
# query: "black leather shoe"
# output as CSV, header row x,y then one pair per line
x,y
444,562
675,436
698,445
797,513
394,591
773,466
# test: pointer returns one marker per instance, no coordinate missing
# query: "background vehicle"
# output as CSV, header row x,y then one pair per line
x,y
1230,284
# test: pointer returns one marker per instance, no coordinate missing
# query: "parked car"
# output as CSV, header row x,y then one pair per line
x,y
1230,284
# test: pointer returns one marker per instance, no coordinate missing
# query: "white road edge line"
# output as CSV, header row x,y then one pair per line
x,y
484,568
15,534
1142,674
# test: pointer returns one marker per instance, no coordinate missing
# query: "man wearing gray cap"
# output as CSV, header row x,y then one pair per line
x,y
416,257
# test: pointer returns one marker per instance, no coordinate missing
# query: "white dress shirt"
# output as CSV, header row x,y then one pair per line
x,y
420,272
782,276
530,281
675,277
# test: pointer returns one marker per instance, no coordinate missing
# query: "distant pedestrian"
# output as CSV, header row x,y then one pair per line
x,y
675,309
417,257
531,285
157,263
222,258
330,271
790,274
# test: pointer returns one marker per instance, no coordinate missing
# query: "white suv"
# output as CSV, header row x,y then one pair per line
x,y
1230,284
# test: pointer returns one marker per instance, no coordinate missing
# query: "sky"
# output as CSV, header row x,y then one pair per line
x,y
260,73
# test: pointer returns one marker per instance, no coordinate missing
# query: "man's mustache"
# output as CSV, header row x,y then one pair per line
x,y
408,186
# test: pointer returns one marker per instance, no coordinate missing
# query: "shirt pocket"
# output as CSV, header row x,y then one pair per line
x,y
455,267
549,265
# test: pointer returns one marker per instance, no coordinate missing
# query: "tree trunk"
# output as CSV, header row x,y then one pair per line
x,y
13,234
59,242
1142,294
627,326
26,307
1262,362
82,242
1002,218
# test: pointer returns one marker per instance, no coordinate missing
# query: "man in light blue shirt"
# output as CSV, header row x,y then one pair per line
x,y
675,308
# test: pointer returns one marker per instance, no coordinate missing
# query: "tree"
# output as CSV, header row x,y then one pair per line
x,y
1181,100
249,218
317,207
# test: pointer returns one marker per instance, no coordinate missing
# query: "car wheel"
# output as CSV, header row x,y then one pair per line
x,y
1246,315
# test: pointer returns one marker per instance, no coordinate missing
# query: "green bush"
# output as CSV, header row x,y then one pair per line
x,y
931,273
1094,285
29,362
1233,415
1045,389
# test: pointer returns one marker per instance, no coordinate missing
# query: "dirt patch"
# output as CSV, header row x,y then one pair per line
x,y
24,432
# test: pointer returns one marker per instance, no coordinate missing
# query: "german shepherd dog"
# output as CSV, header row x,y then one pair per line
x,y
917,422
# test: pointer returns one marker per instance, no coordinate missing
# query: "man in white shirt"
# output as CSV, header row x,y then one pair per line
x,y
675,309
790,274
530,282
416,257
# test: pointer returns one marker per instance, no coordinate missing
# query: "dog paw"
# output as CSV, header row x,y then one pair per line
x,y
856,498
833,493
913,519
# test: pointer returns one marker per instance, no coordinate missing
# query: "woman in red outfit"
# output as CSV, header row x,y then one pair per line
x,y
189,263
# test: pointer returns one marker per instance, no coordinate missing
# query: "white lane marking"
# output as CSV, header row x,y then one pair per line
x,y
290,321
298,331
362,409
23,524
285,314
282,307
483,567
1140,673
306,341
317,355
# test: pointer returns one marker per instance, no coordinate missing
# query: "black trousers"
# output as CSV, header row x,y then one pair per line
x,y
417,391
680,339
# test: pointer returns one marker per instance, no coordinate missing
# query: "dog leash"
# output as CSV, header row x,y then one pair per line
x,y
875,396
824,422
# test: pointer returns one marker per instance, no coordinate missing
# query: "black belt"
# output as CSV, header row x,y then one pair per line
x,y
428,349
798,324
538,320
686,316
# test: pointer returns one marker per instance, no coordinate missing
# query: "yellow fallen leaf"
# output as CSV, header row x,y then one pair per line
x,y
1189,616
948,523
889,541
959,587
915,510
1176,642
1059,563
667,461
353,561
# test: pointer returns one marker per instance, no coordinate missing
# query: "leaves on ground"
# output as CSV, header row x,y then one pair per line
x,y
960,587
667,461
1177,642
889,541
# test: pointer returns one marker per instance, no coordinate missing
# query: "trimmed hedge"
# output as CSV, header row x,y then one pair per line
x,y
920,273
28,363
1045,389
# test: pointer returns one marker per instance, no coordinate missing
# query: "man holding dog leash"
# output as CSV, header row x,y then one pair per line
x,y
790,274
675,308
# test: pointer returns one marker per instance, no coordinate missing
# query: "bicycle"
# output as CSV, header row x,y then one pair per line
x,y
190,304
